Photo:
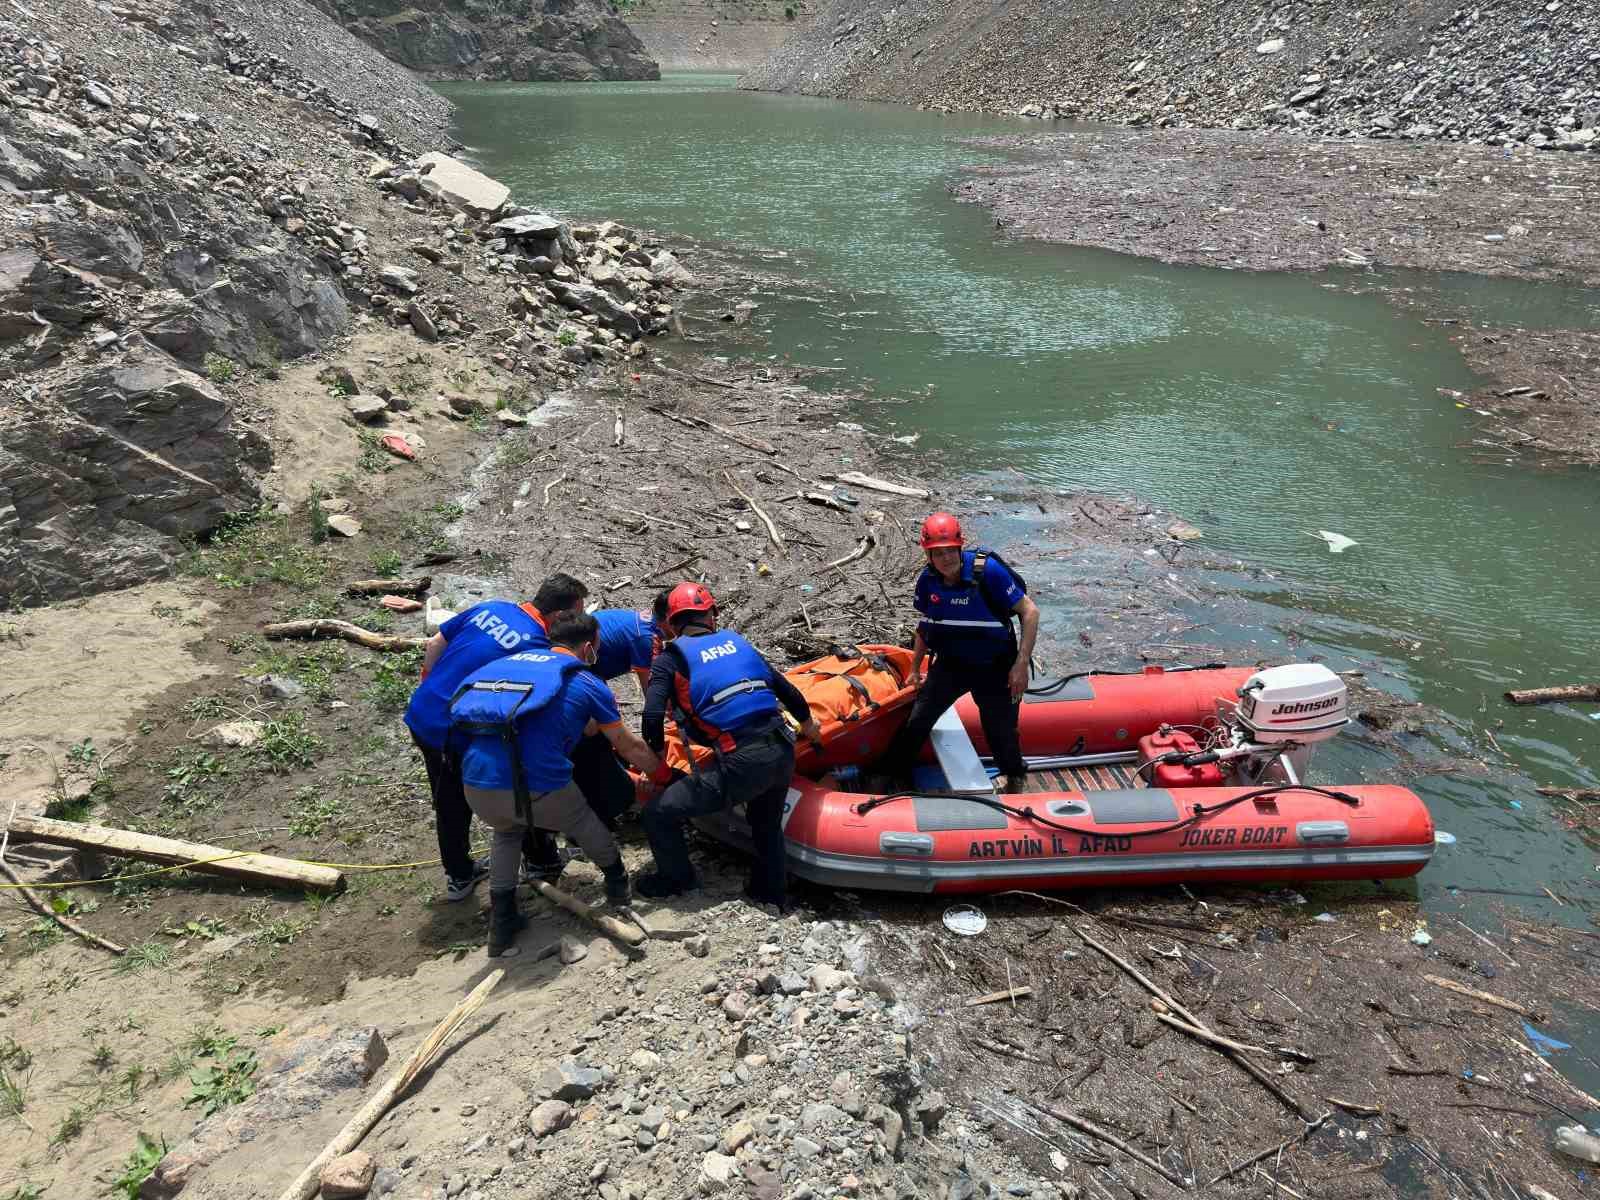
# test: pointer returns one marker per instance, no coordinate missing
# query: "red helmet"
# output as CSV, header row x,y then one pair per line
x,y
941,529
688,598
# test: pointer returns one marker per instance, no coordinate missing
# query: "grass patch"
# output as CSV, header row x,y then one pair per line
x,y
41,935
394,681
314,608
219,369
313,668
311,812
143,957
147,1152
71,1126
388,564
287,745
379,620
14,1060
187,773
256,547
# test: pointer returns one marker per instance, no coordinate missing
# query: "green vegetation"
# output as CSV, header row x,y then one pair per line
x,y
312,811
313,668
14,1060
256,547
71,1125
287,745
314,608
147,1152
396,678
187,773
218,368
142,957
379,620
388,564
317,518
223,1083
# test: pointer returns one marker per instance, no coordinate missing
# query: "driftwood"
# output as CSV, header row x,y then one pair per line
x,y
398,587
559,479
1311,1127
1016,993
265,869
772,529
874,484
604,922
677,566
861,551
1574,795
1550,695
329,628
42,907
1256,1072
1355,1109
1205,1035
1111,1139
744,439
306,1183
1461,989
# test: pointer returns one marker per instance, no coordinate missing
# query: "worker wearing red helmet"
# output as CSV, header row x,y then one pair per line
x,y
724,695
967,599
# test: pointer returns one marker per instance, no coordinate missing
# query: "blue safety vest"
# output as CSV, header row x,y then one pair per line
x,y
474,637
492,707
965,620
726,689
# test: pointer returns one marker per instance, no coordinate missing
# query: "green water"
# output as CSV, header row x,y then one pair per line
x,y
1263,408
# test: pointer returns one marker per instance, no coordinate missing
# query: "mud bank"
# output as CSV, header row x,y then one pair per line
x,y
1244,201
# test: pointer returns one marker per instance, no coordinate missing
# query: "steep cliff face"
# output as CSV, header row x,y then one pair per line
x,y
1499,70
499,39
716,35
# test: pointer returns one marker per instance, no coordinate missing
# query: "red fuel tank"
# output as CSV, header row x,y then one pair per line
x,y
1167,740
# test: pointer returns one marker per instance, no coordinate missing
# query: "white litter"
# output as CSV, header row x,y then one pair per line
x,y
965,920
1337,542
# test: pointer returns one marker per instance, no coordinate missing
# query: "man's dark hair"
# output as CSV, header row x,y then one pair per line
x,y
659,605
560,591
573,630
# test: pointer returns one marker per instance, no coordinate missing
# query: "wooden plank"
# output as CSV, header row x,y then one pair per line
x,y
873,484
265,869
1461,989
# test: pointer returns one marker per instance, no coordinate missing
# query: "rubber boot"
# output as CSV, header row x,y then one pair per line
x,y
618,892
505,922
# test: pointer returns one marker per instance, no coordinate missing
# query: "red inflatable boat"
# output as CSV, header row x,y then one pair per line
x,y
1162,776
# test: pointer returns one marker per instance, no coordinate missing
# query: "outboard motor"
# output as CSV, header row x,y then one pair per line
x,y
1266,737
1284,711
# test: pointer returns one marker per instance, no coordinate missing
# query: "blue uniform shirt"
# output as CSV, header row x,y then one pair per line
x,y
477,636
959,622
545,739
627,641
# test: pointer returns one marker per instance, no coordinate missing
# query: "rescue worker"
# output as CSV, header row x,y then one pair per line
x,y
464,643
514,723
628,642
967,599
725,695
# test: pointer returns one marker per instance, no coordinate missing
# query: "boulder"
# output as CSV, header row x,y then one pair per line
x,y
599,302
400,279
529,225
349,1176
297,1077
666,267
570,1080
35,292
550,1117
1270,46
421,323
718,1172
454,183
102,479
367,408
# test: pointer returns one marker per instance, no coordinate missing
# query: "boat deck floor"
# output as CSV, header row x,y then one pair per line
x,y
1105,778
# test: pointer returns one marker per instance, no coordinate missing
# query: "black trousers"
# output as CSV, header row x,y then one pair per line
x,y
602,779
946,682
756,773
452,818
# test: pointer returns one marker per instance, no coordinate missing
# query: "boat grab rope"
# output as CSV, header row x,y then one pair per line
x,y
1199,813
1051,689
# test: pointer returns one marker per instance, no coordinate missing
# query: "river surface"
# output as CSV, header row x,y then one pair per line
x,y
1263,408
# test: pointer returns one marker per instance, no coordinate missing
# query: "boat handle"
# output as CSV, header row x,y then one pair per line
x,y
1313,833
906,845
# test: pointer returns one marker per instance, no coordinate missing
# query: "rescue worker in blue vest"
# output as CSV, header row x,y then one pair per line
x,y
464,643
966,599
514,723
725,695
628,642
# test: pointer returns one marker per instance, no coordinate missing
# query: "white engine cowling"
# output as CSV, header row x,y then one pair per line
x,y
1302,702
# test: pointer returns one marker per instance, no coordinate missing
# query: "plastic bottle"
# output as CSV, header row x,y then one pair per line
x,y
1577,1142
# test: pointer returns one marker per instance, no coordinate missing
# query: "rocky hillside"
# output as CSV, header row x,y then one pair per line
x,y
716,35
499,39
184,210
1499,71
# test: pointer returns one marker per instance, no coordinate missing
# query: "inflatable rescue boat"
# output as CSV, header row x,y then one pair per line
x,y
1160,776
